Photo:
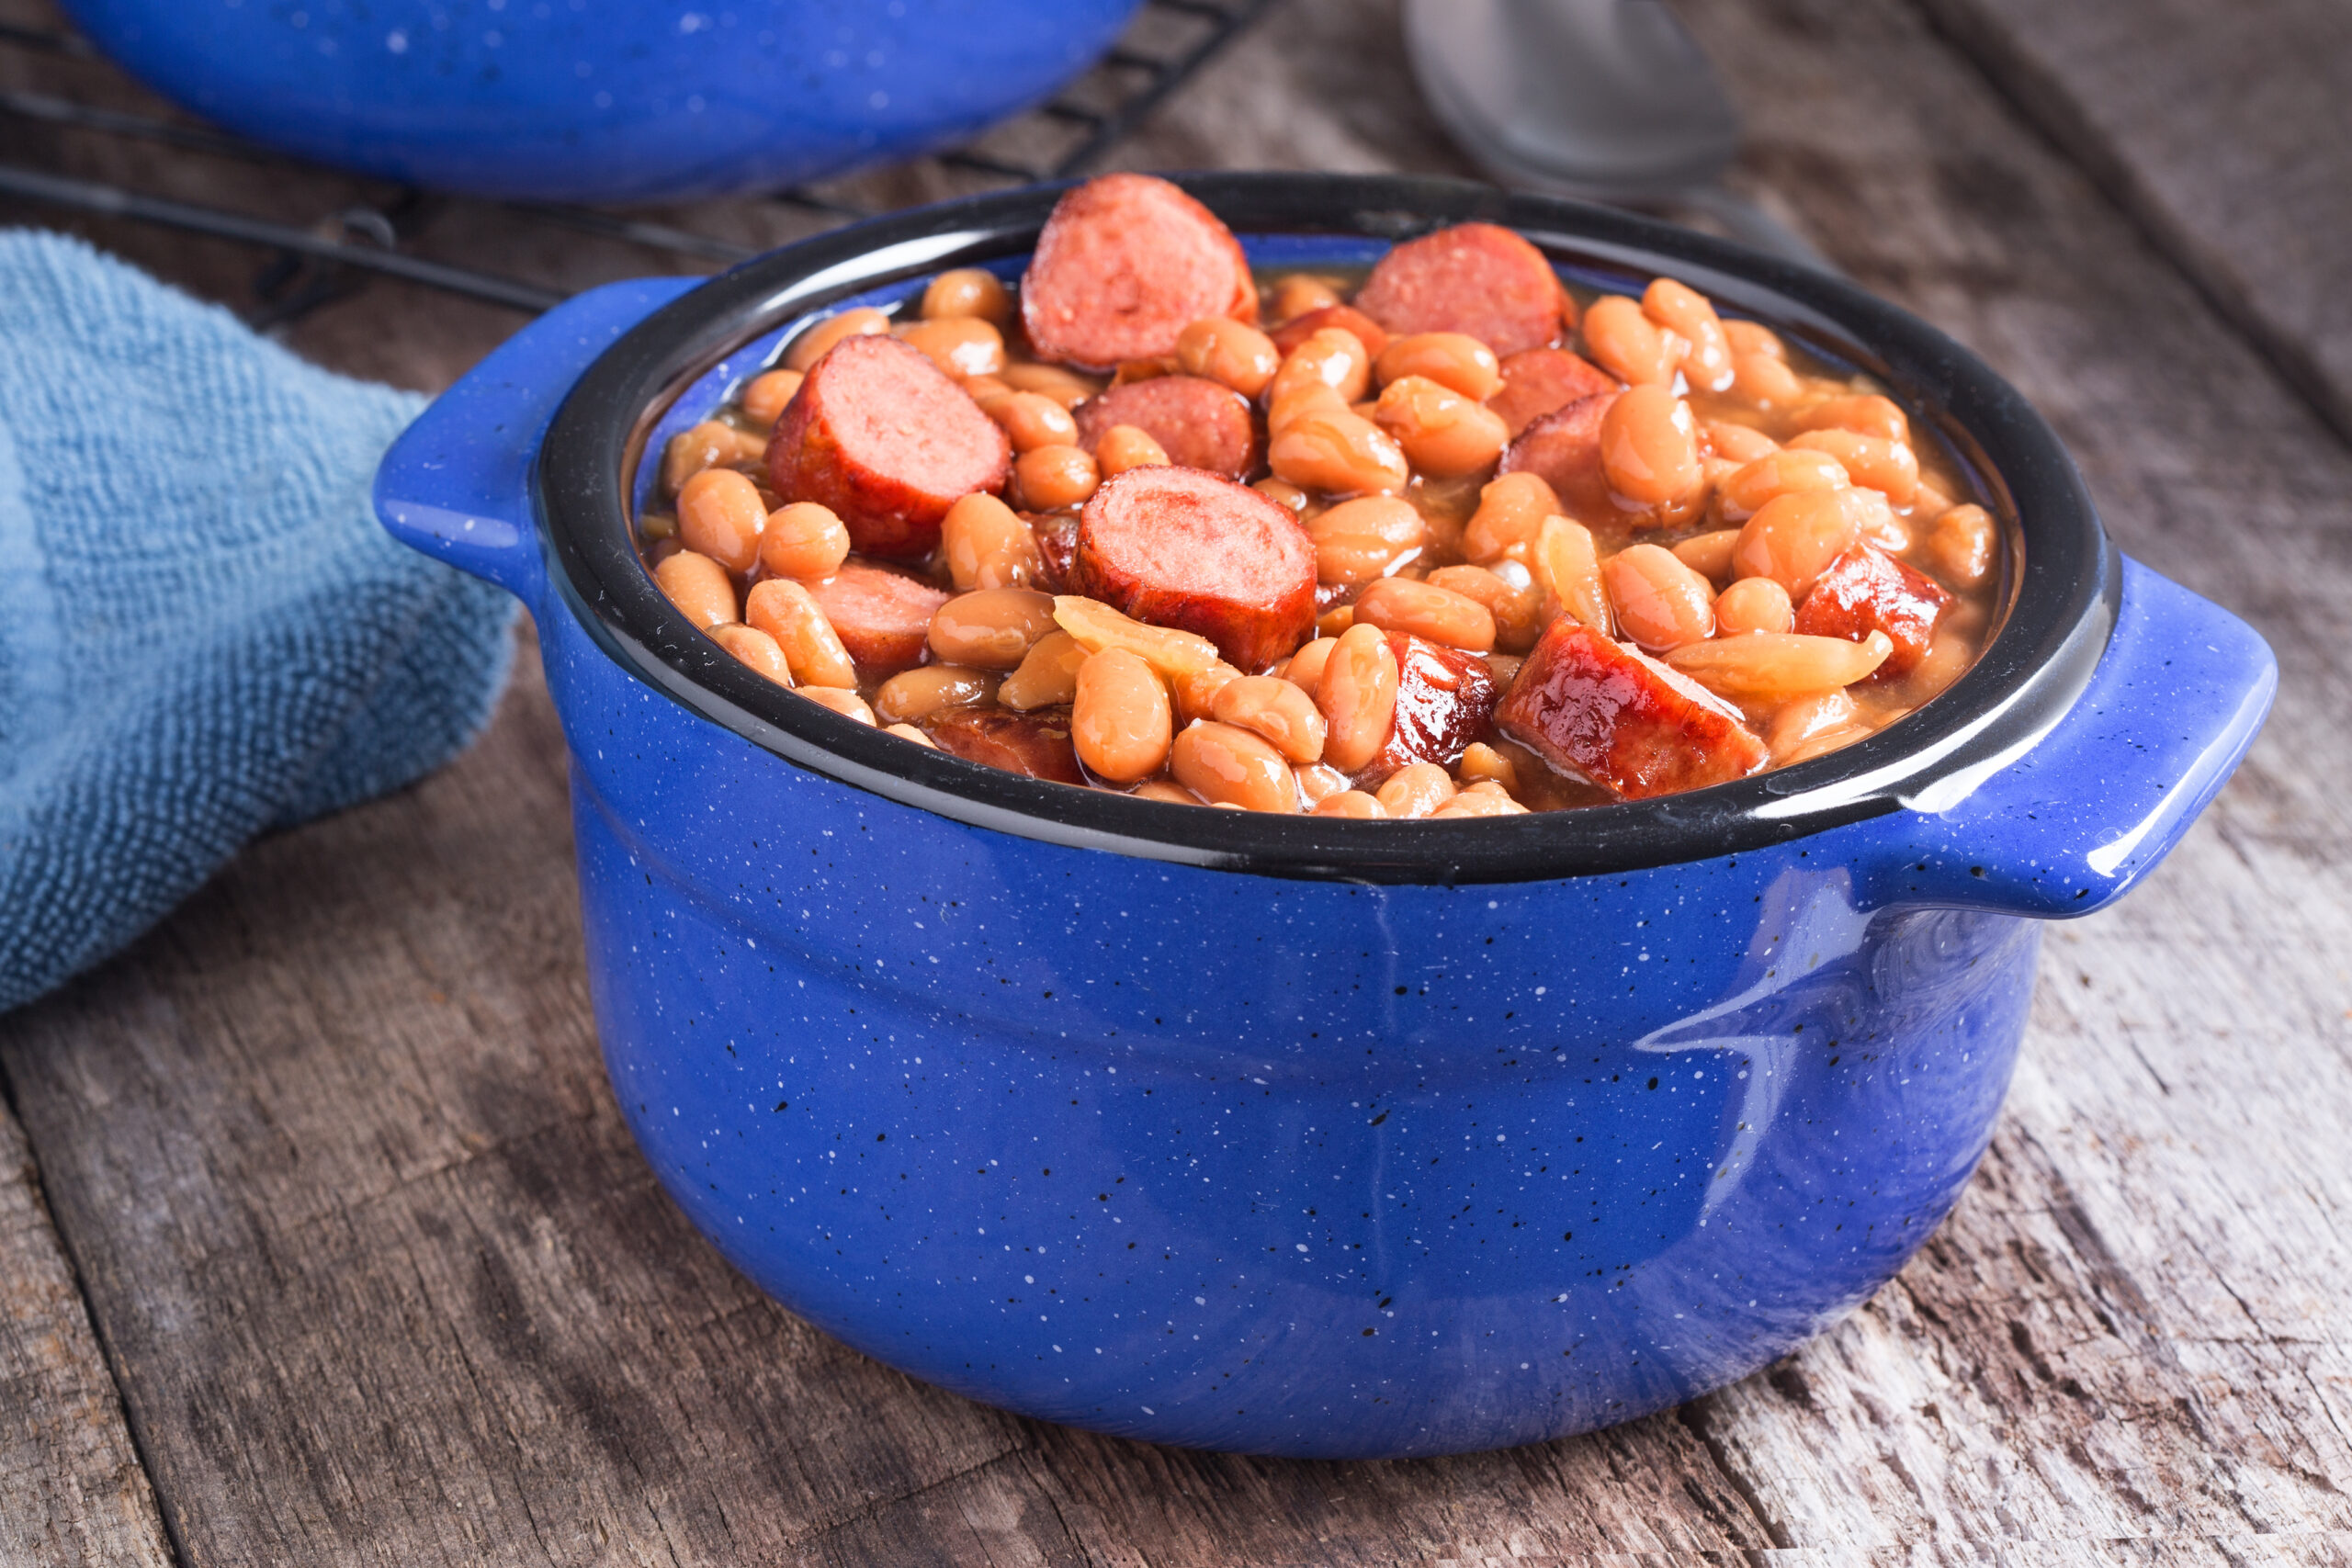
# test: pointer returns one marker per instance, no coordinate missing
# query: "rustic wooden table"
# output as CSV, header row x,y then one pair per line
x,y
321,1241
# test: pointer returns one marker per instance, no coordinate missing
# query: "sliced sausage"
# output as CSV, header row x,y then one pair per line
x,y
1476,278
1037,744
878,434
1446,700
1604,712
1562,449
1538,381
1198,423
1347,317
882,616
1124,264
1180,548
1867,589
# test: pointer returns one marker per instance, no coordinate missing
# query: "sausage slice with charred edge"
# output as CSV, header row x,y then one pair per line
x,y
1124,264
1603,711
879,435
1867,589
1446,700
1180,548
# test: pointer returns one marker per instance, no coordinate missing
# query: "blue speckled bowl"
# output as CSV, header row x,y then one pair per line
x,y
1292,1135
604,100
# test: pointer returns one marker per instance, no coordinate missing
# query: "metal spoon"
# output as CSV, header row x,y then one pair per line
x,y
1607,99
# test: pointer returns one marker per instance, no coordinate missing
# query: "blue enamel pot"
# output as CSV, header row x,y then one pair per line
x,y
604,100
1294,1135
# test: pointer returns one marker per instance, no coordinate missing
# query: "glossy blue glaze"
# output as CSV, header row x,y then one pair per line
x,y
1304,1167
604,100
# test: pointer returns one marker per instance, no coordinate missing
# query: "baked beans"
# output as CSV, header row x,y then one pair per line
x,y
914,695
961,345
1456,361
753,647
1442,432
764,395
1775,530
993,628
1125,446
1359,541
720,515
803,540
967,291
1120,719
1031,420
1659,602
1224,350
811,345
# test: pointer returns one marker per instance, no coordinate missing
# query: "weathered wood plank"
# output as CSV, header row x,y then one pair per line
x,y
2134,1325
71,1487
2222,130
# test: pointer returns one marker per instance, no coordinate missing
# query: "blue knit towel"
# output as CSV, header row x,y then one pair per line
x,y
203,633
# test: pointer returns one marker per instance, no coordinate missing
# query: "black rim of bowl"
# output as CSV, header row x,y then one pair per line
x,y
2060,606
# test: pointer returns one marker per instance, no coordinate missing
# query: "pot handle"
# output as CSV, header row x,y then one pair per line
x,y
457,484
2086,810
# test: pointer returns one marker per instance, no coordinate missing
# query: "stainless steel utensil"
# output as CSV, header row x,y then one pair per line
x,y
1610,100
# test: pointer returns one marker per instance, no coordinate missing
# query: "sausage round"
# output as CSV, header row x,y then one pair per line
x,y
1473,277
879,435
1562,449
1036,744
882,616
1198,423
1180,548
1538,381
1122,266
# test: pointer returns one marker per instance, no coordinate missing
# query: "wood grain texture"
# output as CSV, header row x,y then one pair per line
x,y
71,1487
385,1281
2134,1325
2222,130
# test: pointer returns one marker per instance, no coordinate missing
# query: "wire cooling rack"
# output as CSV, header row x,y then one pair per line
x,y
309,265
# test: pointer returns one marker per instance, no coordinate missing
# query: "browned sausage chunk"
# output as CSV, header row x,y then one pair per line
x,y
1867,591
878,434
1037,744
1538,381
1603,711
1180,548
1562,449
1124,264
1198,423
882,616
1347,317
1446,700
1057,551
1474,279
